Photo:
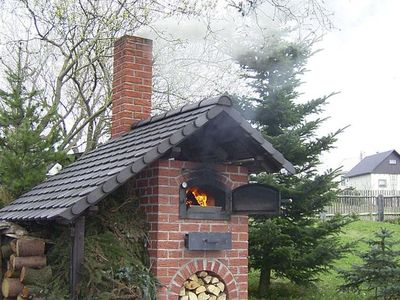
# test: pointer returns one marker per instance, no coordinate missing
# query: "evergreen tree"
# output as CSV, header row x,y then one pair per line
x,y
295,245
27,148
380,270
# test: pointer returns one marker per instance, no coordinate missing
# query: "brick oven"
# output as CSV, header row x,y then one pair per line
x,y
190,169
191,196
173,262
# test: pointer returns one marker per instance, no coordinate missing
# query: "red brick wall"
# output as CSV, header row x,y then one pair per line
x,y
132,83
171,262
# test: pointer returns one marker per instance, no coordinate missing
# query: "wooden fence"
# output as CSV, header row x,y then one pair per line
x,y
369,204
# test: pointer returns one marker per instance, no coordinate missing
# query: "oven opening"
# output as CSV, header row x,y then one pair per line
x,y
205,196
204,201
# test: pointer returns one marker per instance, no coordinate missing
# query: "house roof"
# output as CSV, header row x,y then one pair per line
x,y
96,174
370,163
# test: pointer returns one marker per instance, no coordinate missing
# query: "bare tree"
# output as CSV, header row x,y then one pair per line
x,y
71,42
305,13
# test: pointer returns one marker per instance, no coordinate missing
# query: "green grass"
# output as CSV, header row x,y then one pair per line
x,y
325,288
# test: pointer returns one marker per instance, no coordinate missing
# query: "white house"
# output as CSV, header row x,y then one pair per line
x,y
380,171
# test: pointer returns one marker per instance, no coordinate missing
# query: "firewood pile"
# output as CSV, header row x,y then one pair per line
x,y
203,286
25,269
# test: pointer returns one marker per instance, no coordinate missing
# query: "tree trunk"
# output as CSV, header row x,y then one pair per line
x,y
265,281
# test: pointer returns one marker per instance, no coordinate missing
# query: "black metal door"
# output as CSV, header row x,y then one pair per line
x,y
256,199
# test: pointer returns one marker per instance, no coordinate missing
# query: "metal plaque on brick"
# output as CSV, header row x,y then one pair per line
x,y
208,241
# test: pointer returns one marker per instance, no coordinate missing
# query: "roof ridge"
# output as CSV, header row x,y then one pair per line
x,y
224,100
384,153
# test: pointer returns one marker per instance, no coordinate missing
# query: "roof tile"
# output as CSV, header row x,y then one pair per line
x,y
99,172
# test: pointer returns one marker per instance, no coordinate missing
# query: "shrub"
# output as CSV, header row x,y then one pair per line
x,y
379,271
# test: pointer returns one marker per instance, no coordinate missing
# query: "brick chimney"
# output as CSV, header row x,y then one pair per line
x,y
132,83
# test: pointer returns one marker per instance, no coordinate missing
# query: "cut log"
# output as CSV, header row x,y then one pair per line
x,y
25,292
200,290
20,297
194,277
203,296
30,247
13,245
12,274
202,274
6,251
221,286
32,291
213,289
214,280
30,261
207,279
11,287
192,296
191,285
203,286
36,276
222,297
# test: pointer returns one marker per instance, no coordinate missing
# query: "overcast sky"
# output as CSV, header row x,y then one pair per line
x,y
361,60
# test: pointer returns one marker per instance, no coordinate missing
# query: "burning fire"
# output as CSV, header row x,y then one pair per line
x,y
194,193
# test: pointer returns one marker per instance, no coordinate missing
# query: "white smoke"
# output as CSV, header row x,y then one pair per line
x,y
195,58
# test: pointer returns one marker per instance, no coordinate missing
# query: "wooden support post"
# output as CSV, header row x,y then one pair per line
x,y
381,208
76,257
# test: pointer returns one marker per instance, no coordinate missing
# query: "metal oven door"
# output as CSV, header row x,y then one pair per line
x,y
256,199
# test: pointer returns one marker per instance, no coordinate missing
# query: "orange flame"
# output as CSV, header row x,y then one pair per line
x,y
199,195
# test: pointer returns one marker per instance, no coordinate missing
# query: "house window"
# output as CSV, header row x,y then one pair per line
x,y
392,162
382,183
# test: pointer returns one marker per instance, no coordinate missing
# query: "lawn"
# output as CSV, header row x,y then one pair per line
x,y
326,288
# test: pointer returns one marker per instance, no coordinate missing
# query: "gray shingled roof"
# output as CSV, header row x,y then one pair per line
x,y
369,164
91,178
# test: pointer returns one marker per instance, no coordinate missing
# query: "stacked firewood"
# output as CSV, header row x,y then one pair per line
x,y
203,286
26,269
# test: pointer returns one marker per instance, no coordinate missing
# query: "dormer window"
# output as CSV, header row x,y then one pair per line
x,y
392,162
